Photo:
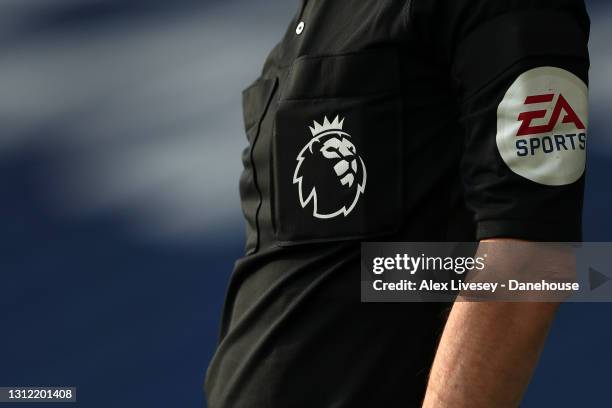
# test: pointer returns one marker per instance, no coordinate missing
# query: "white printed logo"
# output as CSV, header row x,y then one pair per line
x,y
542,126
330,174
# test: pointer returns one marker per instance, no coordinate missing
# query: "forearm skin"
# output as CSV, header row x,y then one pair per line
x,y
487,354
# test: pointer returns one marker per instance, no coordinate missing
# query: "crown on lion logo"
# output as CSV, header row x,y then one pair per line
x,y
336,124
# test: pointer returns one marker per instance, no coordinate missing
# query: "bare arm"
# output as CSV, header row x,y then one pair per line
x,y
488,351
487,354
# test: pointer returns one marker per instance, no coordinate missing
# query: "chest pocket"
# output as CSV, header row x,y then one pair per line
x,y
337,149
255,102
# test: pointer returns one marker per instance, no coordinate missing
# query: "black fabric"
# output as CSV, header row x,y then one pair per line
x,y
515,38
298,336
412,88
371,114
255,101
530,230
346,75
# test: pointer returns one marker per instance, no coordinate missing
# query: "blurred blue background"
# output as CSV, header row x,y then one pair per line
x,y
120,142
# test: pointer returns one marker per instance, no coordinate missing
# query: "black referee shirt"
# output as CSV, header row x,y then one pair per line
x,y
422,120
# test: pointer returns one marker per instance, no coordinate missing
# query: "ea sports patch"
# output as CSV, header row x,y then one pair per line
x,y
542,126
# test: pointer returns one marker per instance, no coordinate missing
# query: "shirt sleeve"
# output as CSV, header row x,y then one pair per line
x,y
520,72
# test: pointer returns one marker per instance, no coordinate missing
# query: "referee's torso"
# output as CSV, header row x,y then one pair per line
x,y
384,120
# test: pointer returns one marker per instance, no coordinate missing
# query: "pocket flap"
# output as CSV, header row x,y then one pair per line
x,y
346,75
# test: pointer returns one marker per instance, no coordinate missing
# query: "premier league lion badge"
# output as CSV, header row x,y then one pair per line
x,y
330,175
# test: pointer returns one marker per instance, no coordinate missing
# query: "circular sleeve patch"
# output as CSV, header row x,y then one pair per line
x,y
542,126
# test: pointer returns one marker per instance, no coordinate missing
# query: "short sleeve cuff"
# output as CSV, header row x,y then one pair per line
x,y
561,231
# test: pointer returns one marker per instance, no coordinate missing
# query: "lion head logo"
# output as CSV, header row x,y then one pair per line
x,y
330,174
